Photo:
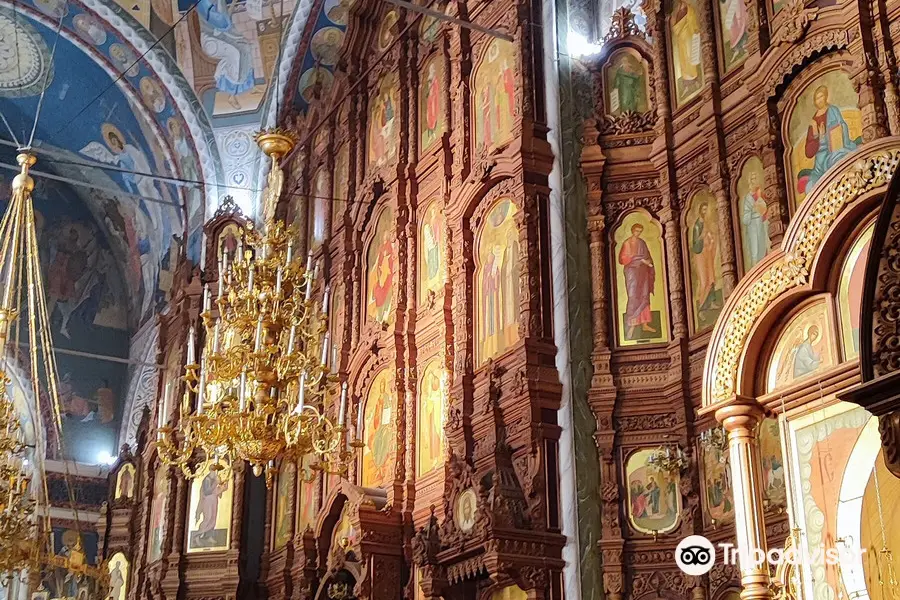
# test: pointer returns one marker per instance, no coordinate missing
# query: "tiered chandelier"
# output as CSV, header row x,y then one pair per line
x,y
260,389
26,548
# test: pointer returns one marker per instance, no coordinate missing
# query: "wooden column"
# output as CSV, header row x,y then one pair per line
x,y
741,420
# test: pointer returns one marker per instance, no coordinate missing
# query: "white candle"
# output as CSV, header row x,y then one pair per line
x,y
250,278
164,406
207,298
278,282
239,257
290,252
343,411
201,387
326,346
221,278
216,335
309,275
325,298
192,354
242,393
259,330
293,334
301,393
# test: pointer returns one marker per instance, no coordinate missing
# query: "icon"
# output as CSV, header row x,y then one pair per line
x,y
695,555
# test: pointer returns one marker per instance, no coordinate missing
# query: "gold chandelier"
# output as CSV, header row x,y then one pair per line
x,y
26,534
261,386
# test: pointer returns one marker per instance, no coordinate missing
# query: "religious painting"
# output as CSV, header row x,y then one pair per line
x,y
430,28
284,502
465,509
718,494
510,592
341,186
118,577
774,485
383,122
325,45
345,535
733,21
431,102
654,498
125,482
387,31
338,11
833,452
687,63
380,270
705,259
627,83
753,212
641,302
495,95
431,255
158,514
497,282
804,347
320,196
242,49
825,125
307,501
92,299
430,432
209,512
380,432
229,241
850,289
314,83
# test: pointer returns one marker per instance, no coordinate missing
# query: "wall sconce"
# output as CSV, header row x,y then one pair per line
x,y
715,441
668,459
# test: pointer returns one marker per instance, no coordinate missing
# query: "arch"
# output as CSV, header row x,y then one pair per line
x,y
792,272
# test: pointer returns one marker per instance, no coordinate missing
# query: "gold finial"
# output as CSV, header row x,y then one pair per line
x,y
276,142
23,180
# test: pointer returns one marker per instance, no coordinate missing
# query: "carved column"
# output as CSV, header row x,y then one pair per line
x,y
720,189
775,181
671,231
741,419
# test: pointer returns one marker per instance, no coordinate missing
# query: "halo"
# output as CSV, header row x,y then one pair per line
x,y
108,128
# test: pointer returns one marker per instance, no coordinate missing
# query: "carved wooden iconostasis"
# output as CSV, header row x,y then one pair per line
x,y
424,195
712,129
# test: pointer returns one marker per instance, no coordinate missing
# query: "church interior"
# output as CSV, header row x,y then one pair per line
x,y
449,300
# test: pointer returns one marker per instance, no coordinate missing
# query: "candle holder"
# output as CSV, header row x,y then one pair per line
x,y
260,389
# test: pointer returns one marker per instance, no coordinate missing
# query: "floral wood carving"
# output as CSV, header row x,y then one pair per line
x,y
796,21
627,122
789,271
623,25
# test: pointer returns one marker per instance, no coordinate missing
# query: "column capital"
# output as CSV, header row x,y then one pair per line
x,y
741,413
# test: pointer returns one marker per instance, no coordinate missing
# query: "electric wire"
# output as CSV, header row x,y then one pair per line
x,y
40,104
